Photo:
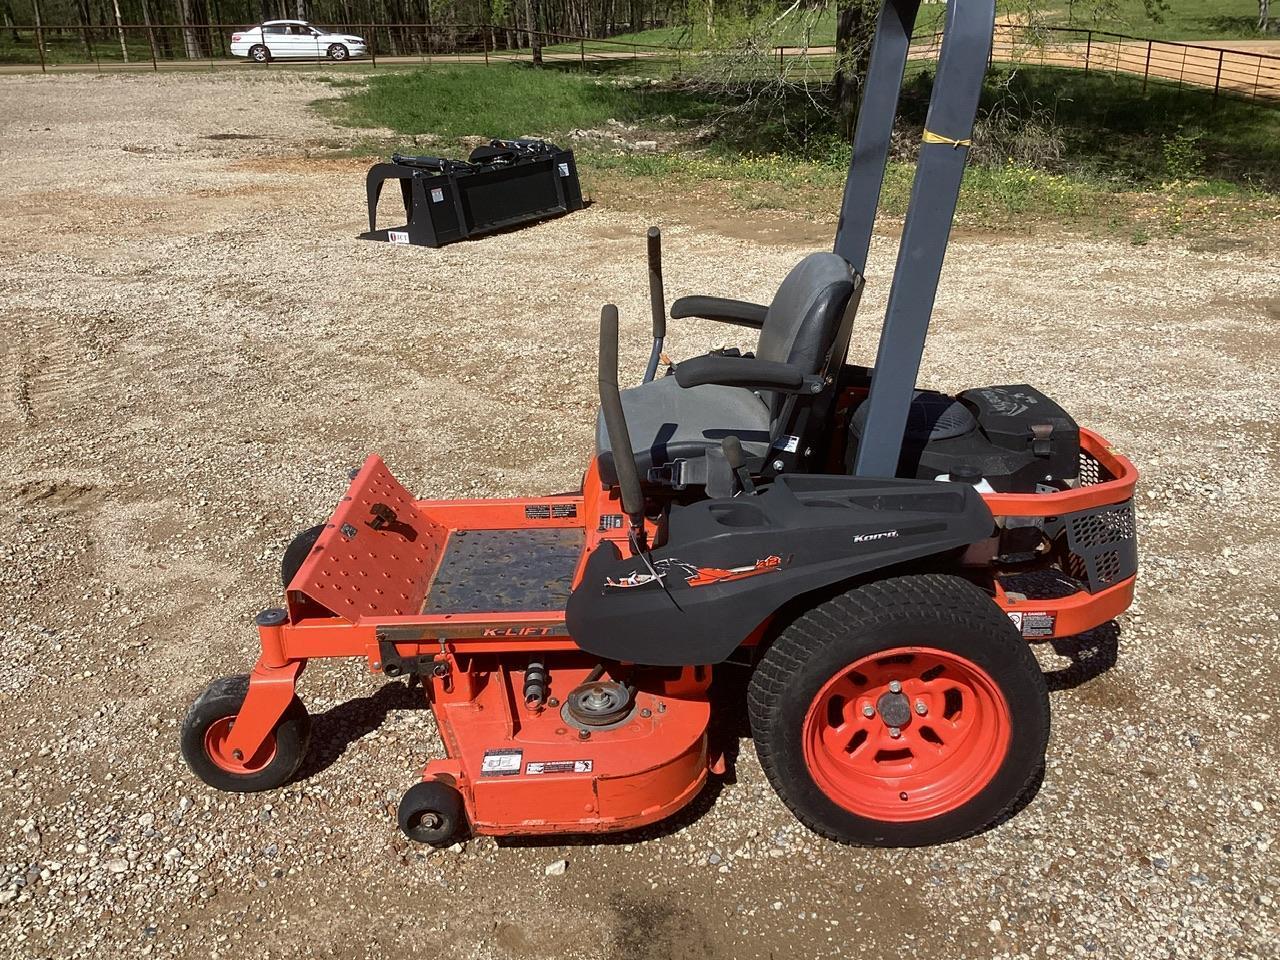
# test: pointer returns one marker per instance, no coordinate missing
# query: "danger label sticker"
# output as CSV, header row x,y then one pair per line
x,y
501,763
564,169
437,195
398,236
1031,624
535,767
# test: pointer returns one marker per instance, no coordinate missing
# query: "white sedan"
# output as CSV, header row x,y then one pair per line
x,y
295,39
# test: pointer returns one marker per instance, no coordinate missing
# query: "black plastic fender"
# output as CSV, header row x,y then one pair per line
x,y
730,563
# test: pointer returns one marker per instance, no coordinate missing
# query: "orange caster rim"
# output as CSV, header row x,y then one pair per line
x,y
215,748
906,734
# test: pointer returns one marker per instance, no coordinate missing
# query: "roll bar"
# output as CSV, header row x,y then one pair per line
x,y
962,64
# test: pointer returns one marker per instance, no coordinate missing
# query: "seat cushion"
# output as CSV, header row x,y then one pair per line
x,y
668,422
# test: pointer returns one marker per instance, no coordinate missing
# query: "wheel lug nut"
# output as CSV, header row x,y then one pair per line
x,y
868,711
895,686
921,708
237,755
895,732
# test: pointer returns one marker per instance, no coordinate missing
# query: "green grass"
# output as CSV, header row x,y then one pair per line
x,y
1112,130
511,100
1184,20
1115,149
69,47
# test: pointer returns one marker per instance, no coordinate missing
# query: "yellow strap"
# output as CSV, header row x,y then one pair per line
x,y
931,137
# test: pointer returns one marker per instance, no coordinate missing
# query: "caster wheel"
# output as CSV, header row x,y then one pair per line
x,y
205,731
296,552
432,812
903,713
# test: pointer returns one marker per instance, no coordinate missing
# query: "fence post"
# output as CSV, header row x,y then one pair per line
x,y
582,52
1088,50
484,41
1217,80
1146,69
373,44
1257,77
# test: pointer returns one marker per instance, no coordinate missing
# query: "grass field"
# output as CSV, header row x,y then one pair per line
x,y
1099,127
1057,145
1184,20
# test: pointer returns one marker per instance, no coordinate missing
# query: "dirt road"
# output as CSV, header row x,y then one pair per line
x,y
196,349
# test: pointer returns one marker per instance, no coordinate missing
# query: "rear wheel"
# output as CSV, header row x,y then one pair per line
x,y
338,52
902,713
208,725
259,54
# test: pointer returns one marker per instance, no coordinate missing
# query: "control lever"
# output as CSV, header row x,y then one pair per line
x,y
615,423
732,448
657,303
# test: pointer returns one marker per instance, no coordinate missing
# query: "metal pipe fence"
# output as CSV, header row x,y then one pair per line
x,y
1226,71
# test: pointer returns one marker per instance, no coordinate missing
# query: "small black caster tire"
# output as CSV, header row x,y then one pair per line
x,y
296,552
432,812
205,730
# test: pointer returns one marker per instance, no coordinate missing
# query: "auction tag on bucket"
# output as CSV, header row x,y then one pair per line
x,y
398,236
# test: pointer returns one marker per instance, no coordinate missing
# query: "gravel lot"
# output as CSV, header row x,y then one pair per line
x,y
196,348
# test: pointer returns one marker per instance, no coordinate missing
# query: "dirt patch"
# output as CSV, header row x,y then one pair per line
x,y
197,351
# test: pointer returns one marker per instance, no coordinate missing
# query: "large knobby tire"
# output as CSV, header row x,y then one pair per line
x,y
296,552
905,712
210,720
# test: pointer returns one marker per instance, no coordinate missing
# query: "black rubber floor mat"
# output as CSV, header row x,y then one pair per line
x,y
497,571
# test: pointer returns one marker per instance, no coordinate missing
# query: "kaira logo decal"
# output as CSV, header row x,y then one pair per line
x,y
882,535
694,576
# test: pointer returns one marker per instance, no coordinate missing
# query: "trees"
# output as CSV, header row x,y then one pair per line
x,y
855,30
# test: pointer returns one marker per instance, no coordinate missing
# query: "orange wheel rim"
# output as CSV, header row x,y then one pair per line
x,y
906,734
215,747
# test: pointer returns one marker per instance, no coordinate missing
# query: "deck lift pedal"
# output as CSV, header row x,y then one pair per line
x,y
879,555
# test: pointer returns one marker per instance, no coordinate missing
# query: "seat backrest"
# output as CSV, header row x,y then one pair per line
x,y
804,317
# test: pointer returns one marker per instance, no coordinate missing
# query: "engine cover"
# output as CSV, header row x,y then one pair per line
x,y
1013,436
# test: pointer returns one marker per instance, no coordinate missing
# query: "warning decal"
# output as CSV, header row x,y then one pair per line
x,y
437,195
501,763
1039,623
532,768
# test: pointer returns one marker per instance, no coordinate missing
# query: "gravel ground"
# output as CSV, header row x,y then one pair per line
x,y
196,350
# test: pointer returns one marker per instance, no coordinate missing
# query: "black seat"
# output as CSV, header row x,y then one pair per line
x,y
675,421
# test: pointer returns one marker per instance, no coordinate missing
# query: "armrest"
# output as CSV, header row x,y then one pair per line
x,y
718,308
745,372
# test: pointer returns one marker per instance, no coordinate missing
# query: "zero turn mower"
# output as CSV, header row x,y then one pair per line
x,y
878,555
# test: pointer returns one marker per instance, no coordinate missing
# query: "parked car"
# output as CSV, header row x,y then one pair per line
x,y
295,39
